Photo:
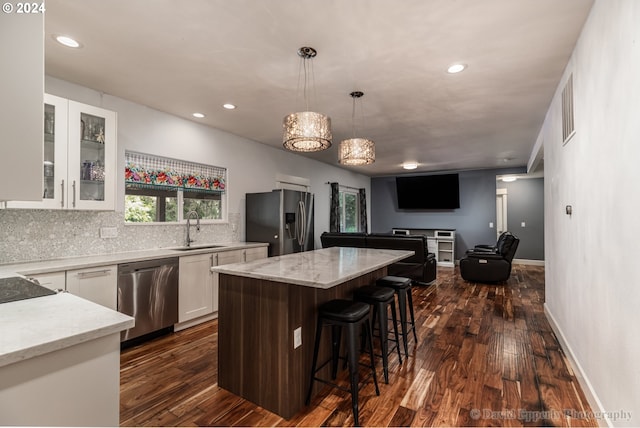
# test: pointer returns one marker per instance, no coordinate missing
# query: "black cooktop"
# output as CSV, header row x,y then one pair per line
x,y
17,288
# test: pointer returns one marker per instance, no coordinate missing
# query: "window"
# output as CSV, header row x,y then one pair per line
x,y
207,205
150,205
164,190
349,210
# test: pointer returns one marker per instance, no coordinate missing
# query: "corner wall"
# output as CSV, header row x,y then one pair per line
x,y
525,204
592,290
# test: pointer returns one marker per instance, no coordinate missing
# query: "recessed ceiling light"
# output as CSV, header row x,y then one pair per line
x,y
410,165
67,41
509,178
456,68
198,115
229,106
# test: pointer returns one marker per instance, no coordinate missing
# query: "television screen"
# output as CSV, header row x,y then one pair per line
x,y
428,192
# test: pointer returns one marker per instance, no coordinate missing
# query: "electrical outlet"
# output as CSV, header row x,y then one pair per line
x,y
108,232
523,224
297,337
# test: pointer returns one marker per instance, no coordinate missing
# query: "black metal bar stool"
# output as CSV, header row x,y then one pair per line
x,y
381,298
337,314
402,287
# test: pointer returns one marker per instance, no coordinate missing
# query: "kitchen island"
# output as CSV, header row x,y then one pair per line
x,y
267,317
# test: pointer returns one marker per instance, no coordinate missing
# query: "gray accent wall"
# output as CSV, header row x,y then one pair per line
x,y
525,203
471,220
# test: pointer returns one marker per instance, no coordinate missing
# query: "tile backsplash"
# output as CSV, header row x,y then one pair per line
x,y
27,235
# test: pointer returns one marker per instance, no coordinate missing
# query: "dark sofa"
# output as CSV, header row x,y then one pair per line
x,y
420,267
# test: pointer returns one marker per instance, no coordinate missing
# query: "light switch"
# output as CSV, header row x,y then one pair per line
x,y
297,337
523,224
491,225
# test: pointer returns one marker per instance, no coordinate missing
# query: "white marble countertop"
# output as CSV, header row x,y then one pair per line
x,y
68,263
37,326
323,268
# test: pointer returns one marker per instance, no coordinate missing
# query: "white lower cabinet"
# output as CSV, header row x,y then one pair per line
x,y
53,280
255,253
224,258
198,286
98,284
195,286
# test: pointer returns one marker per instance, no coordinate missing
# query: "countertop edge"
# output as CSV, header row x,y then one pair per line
x,y
44,332
236,269
81,262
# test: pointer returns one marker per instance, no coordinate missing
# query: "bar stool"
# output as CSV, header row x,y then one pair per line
x,y
337,314
402,287
381,298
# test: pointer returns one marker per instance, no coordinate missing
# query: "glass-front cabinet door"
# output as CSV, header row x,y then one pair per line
x,y
79,146
54,168
92,157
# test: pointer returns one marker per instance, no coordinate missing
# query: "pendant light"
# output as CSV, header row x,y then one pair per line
x,y
306,131
356,151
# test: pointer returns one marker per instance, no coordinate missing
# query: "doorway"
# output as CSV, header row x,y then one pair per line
x,y
501,211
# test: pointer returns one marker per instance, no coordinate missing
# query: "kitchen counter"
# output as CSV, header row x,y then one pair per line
x,y
33,327
80,262
323,268
60,362
60,354
267,318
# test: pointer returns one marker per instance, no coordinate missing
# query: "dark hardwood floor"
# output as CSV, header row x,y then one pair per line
x,y
486,356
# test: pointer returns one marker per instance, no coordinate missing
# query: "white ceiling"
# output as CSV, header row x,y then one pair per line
x,y
187,56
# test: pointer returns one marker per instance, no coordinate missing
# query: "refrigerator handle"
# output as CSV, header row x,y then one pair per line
x,y
300,224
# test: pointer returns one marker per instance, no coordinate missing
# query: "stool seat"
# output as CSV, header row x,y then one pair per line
x,y
344,310
395,282
373,294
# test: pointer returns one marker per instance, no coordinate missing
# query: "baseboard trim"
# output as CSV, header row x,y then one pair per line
x,y
194,322
589,392
529,262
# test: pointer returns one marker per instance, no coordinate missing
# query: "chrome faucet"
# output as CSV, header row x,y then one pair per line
x,y
190,214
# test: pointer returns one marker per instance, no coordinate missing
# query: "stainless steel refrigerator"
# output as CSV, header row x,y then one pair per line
x,y
283,218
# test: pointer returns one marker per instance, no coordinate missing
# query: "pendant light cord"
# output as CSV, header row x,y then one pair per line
x,y
353,118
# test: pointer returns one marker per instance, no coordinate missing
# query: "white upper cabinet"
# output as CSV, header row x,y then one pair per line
x,y
92,157
21,89
79,170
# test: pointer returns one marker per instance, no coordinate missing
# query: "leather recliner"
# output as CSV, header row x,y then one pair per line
x,y
486,263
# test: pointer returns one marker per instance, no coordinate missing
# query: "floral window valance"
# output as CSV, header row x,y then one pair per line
x,y
142,170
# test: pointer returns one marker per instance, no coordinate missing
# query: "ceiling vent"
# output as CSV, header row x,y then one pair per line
x,y
568,126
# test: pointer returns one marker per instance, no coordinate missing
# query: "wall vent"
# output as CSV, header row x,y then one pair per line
x,y
568,125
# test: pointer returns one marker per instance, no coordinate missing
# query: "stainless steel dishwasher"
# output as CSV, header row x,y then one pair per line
x,y
148,291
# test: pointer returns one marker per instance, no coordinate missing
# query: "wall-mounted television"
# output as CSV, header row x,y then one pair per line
x,y
428,192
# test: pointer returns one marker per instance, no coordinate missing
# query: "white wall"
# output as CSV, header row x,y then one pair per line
x,y
592,290
252,167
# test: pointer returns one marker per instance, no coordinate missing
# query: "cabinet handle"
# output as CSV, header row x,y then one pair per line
x,y
93,274
74,193
244,255
62,194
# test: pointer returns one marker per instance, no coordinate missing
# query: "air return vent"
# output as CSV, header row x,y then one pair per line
x,y
568,127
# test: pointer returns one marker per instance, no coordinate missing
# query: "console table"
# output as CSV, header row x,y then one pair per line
x,y
441,242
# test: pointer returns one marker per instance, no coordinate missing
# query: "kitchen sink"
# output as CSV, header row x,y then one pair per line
x,y
197,247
